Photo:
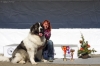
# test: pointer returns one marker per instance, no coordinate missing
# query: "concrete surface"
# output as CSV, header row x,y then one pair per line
x,y
59,62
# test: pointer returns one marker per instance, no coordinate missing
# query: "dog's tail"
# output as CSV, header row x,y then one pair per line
x,y
3,58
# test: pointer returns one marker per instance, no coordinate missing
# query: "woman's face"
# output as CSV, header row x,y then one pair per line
x,y
45,25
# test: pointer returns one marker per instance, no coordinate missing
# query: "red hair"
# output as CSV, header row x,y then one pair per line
x,y
49,28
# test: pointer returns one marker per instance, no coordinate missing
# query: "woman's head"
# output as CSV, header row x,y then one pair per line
x,y
47,25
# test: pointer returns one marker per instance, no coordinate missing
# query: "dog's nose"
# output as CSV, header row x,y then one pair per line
x,y
41,29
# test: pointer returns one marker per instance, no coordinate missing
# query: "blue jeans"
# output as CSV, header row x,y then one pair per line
x,y
50,48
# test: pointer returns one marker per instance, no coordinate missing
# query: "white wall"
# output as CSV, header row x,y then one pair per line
x,y
72,36
59,36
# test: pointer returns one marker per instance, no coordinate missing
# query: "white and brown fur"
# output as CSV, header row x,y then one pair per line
x,y
27,49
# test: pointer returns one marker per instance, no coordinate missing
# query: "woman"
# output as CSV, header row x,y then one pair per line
x,y
49,44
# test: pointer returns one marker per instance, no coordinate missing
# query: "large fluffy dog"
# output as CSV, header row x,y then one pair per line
x,y
27,49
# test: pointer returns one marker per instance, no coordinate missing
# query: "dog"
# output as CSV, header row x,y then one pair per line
x,y
27,49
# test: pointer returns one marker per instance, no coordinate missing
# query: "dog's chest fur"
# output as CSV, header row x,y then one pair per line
x,y
34,41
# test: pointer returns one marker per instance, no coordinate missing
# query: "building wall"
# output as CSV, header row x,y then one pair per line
x,y
61,14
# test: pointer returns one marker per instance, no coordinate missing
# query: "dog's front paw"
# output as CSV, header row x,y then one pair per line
x,y
34,63
22,62
44,60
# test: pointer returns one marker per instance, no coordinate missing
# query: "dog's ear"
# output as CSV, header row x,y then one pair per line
x,y
32,29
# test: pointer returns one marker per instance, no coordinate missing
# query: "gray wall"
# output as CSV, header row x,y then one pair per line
x,y
61,14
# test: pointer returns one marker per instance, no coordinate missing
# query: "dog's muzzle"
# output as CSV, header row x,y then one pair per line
x,y
41,32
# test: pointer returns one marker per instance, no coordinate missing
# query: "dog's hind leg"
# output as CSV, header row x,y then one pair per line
x,y
17,58
22,61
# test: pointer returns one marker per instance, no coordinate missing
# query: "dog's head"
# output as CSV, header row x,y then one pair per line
x,y
37,29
